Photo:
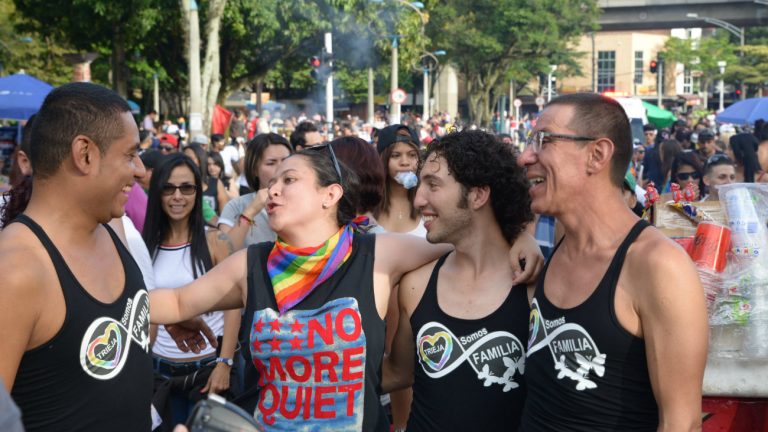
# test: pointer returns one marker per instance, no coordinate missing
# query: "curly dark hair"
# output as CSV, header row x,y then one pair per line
x,y
364,160
477,159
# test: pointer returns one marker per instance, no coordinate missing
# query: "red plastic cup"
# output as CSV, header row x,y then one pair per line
x,y
710,245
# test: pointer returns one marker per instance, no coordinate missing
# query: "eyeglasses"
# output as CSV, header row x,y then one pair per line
x,y
536,139
333,158
683,176
167,148
169,189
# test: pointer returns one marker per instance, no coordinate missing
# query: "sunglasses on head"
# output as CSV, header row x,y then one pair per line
x,y
716,158
333,158
683,176
169,189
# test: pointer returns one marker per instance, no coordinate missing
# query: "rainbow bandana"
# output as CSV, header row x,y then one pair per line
x,y
295,272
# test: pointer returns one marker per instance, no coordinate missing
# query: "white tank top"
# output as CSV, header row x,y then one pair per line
x,y
173,269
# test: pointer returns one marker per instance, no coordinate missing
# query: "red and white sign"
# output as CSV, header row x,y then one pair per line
x,y
517,103
398,96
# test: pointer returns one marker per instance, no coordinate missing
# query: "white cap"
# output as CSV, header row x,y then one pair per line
x,y
200,139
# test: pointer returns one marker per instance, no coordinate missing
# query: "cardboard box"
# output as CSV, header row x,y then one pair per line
x,y
674,224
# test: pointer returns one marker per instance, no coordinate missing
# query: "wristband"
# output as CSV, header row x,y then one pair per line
x,y
247,219
227,361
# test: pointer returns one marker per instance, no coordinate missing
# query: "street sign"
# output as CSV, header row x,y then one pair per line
x,y
540,101
398,96
517,103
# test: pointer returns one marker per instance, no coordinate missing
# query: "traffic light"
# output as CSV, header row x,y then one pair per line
x,y
654,66
315,62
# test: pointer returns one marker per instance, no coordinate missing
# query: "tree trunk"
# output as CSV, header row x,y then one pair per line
x,y
211,78
119,76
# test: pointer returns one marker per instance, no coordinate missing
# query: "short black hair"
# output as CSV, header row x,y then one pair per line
x,y
599,116
71,110
298,135
217,138
649,127
477,159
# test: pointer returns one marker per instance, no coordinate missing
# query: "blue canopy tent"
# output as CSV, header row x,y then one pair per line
x,y
21,95
744,112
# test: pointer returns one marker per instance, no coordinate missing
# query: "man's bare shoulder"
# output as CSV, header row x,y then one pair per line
x,y
413,284
658,264
24,265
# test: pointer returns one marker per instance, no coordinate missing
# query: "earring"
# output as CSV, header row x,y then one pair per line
x,y
325,205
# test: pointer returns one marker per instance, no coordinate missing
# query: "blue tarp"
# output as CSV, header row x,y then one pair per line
x,y
744,112
21,96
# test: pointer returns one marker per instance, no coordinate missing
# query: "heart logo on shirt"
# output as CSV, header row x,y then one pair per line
x,y
105,350
436,346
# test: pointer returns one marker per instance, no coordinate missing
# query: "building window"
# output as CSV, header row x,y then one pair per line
x,y
606,71
687,82
639,66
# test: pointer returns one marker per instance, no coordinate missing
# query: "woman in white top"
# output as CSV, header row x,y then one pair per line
x,y
398,146
182,251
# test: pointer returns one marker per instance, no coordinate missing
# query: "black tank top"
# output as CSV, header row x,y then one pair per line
x,y
318,365
585,372
96,372
468,373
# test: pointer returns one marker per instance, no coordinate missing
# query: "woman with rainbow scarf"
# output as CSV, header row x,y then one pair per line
x,y
314,299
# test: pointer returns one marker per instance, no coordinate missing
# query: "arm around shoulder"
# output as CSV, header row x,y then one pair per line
x,y
397,368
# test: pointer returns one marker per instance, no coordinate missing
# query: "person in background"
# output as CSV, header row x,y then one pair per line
x,y
168,143
649,131
244,218
687,170
305,135
742,151
658,164
182,251
214,194
216,169
719,170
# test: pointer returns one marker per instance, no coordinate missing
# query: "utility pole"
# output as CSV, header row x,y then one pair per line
x,y
394,108
329,85
195,92
660,82
370,96
156,95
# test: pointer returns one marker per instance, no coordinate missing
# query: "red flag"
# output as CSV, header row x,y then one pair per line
x,y
221,119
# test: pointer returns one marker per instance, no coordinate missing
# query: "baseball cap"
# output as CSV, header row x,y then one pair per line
x,y
170,139
389,136
200,139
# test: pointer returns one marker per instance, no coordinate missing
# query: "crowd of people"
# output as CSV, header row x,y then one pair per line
x,y
390,277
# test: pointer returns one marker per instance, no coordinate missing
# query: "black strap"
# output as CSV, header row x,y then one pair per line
x,y
614,270
432,284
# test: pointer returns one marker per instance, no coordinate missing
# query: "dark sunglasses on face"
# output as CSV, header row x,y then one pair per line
x,y
169,189
683,176
166,148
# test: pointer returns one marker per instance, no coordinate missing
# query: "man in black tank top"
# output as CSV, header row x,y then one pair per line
x,y
463,321
618,325
73,306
